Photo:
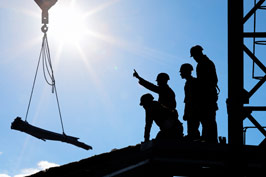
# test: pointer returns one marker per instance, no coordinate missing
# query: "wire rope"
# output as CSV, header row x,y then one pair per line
x,y
48,76
34,81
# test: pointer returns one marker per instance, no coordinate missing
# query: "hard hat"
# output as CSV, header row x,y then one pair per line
x,y
195,49
163,76
146,98
186,67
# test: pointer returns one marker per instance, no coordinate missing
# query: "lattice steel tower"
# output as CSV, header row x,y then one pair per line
x,y
238,96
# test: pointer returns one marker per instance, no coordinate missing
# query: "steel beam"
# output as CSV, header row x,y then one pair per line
x,y
255,59
259,127
257,34
257,86
252,11
255,108
235,72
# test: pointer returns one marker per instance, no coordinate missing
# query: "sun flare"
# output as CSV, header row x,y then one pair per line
x,y
68,24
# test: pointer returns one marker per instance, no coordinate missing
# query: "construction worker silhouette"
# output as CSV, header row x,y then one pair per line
x,y
166,94
208,93
165,118
191,111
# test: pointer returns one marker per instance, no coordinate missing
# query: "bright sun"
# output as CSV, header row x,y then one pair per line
x,y
68,24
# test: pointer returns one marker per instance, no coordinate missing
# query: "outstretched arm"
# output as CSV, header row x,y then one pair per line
x,y
135,74
145,83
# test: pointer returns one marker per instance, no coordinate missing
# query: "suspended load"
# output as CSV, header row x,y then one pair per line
x,y
44,135
45,60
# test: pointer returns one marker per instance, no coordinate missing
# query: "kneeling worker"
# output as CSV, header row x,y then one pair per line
x,y
165,118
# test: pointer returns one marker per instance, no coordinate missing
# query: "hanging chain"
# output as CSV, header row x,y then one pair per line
x,y
47,72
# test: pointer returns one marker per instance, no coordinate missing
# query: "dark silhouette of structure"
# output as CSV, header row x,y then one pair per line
x,y
169,158
166,94
165,118
237,46
162,159
207,87
192,102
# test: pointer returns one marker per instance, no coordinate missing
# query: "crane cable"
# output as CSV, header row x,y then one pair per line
x,y
47,72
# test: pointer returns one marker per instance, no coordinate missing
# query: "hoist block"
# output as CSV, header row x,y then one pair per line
x,y
45,5
44,135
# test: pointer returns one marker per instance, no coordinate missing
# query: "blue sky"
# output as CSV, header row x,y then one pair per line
x,y
93,68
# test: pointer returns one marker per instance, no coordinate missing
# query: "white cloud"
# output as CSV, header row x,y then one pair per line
x,y
4,175
1,154
26,172
42,165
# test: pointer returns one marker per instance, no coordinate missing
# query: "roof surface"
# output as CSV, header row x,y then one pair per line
x,y
166,158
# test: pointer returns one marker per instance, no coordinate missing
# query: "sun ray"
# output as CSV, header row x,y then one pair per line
x,y
33,120
68,23
21,155
138,49
69,13
100,87
28,45
18,9
58,54
100,8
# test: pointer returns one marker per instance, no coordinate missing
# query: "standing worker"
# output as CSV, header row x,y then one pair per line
x,y
166,94
191,111
207,80
165,118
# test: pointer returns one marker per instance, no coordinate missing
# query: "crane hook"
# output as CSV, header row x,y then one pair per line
x,y
44,28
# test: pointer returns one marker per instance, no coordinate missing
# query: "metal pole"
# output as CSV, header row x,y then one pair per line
x,y
235,72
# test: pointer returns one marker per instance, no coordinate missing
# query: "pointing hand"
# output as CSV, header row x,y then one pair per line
x,y
135,74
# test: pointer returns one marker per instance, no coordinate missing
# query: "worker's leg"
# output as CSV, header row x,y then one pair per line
x,y
209,127
193,129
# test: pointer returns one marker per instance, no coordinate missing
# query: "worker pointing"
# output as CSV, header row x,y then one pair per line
x,y
166,94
